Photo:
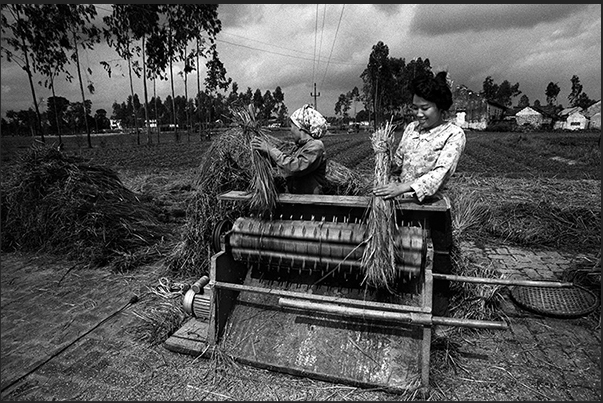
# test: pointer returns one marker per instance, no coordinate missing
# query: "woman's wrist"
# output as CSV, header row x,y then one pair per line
x,y
404,188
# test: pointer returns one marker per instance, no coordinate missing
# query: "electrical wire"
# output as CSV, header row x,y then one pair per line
x,y
322,31
332,46
283,54
132,301
315,34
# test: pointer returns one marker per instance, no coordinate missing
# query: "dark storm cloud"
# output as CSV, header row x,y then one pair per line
x,y
440,19
388,8
240,15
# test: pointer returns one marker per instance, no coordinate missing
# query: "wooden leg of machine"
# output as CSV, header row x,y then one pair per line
x,y
427,303
223,269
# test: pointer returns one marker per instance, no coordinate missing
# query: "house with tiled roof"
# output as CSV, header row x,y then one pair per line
x,y
573,118
472,110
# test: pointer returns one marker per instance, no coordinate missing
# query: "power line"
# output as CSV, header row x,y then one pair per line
x,y
322,31
282,54
333,45
272,45
315,33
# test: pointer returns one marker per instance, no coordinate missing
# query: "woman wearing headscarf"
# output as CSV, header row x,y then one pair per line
x,y
304,168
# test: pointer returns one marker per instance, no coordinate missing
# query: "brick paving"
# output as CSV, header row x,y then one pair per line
x,y
65,337
523,263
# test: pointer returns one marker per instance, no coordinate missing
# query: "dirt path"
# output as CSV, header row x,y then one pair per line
x,y
65,337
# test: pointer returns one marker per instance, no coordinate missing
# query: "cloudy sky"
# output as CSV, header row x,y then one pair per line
x,y
294,46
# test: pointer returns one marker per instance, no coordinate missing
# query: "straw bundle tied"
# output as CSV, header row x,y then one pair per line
x,y
262,188
379,258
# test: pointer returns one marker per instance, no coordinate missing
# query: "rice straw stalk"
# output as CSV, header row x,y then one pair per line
x,y
379,258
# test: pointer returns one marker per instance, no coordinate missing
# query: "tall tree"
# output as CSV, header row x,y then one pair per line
x,y
54,59
268,105
552,91
144,25
502,94
32,40
215,78
506,93
56,108
489,88
523,101
576,91
180,23
355,97
188,67
119,35
583,101
258,100
342,106
375,77
77,22
280,108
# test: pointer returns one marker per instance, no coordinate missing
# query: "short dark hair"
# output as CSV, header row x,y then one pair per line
x,y
434,89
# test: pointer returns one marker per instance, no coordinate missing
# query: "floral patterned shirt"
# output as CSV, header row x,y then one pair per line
x,y
428,159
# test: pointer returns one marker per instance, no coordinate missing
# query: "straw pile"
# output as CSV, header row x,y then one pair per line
x,y
64,205
342,180
379,256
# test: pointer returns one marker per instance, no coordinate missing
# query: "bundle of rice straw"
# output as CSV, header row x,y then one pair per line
x,y
379,257
262,188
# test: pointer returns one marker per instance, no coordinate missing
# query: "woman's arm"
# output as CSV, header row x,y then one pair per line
x,y
306,160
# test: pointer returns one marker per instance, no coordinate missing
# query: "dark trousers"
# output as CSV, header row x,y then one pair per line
x,y
441,235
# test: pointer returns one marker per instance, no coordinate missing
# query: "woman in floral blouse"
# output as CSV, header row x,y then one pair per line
x,y
430,147
424,161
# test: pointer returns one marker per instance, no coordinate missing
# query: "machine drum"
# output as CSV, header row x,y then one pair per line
x,y
316,245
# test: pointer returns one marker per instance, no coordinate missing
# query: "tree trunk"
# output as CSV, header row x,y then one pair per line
x,y
188,133
79,74
174,118
38,124
56,113
156,112
199,93
146,96
134,111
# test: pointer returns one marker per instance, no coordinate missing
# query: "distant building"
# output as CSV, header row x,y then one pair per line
x,y
472,111
115,124
528,116
571,119
151,122
593,113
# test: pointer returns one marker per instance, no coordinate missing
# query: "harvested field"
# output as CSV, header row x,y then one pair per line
x,y
540,191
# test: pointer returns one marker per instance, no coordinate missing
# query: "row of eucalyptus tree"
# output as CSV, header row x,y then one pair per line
x,y
46,39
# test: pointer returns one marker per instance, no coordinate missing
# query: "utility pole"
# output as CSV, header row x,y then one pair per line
x,y
315,95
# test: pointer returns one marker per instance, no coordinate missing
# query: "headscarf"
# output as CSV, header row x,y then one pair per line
x,y
309,119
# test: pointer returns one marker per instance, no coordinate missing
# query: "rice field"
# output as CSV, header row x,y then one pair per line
x,y
539,189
